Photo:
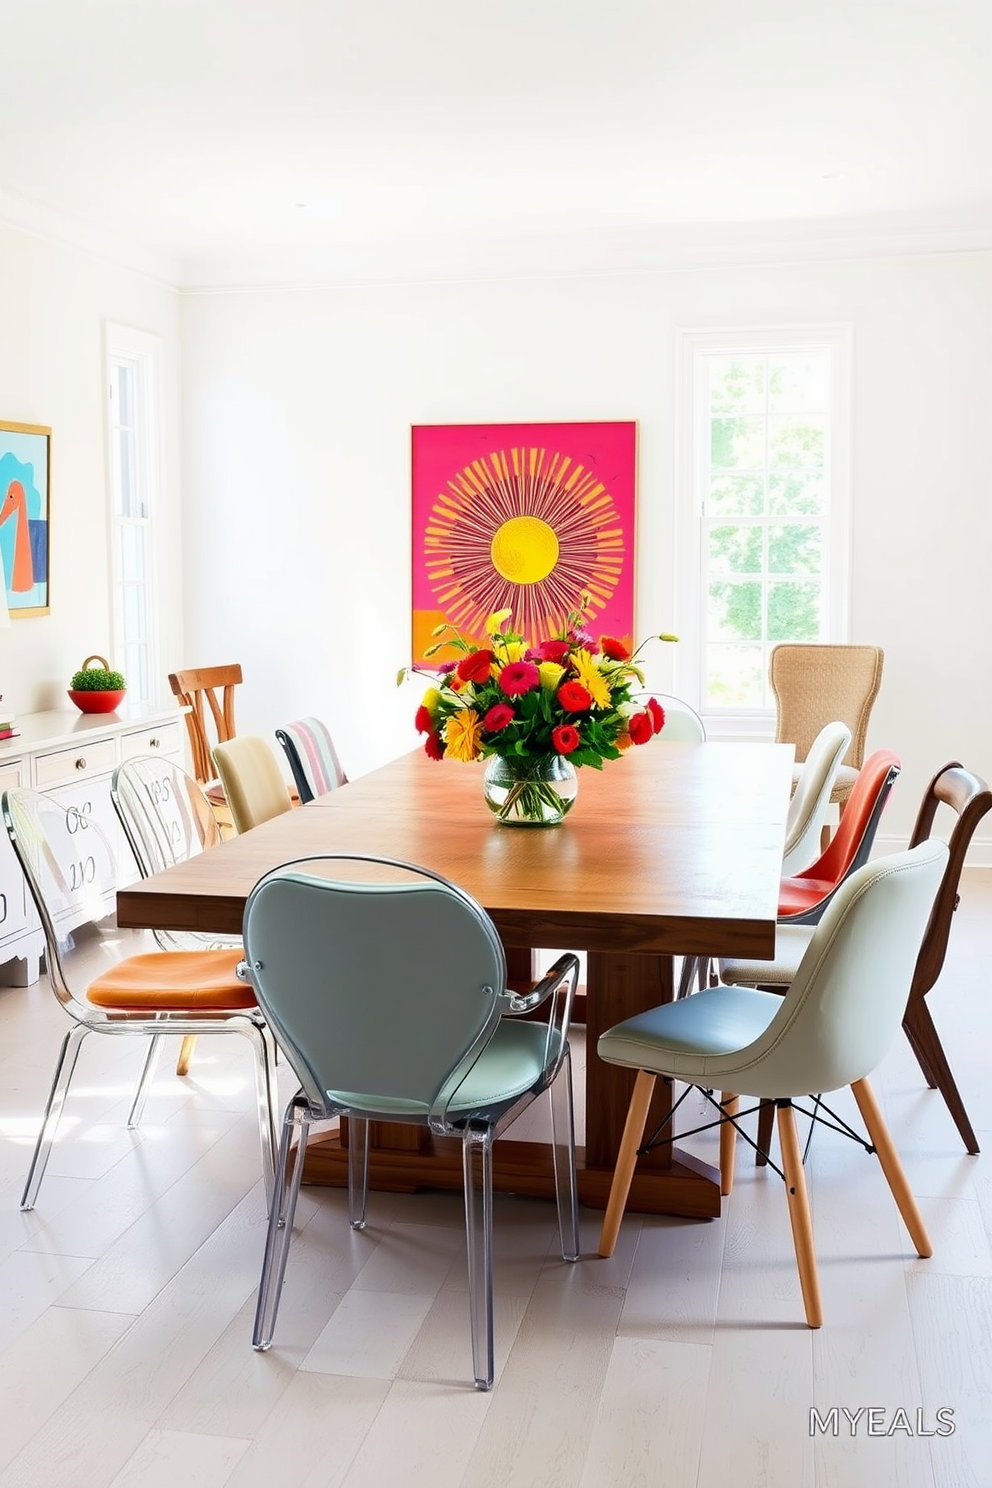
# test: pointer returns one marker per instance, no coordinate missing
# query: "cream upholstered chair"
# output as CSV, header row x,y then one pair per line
x,y
413,1023
682,723
252,781
832,1028
814,684
811,799
953,789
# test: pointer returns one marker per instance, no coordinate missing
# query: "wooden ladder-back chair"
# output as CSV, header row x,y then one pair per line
x,y
206,690
817,684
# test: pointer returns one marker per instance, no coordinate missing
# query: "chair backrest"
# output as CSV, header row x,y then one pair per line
x,y
815,684
382,988
165,813
969,797
850,845
811,798
682,723
846,1002
312,757
207,692
69,867
252,780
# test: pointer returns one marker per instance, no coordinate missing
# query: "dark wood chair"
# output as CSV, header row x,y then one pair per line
x,y
969,797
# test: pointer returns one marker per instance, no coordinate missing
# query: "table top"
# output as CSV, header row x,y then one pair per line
x,y
674,848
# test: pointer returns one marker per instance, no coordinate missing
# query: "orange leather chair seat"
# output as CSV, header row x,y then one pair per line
x,y
169,981
798,894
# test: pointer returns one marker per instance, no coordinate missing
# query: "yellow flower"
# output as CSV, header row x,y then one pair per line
x,y
592,679
431,699
494,622
510,651
551,674
462,733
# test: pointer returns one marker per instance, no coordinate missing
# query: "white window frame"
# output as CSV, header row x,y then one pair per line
x,y
694,347
143,353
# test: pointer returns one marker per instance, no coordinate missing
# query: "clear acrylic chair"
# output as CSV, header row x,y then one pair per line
x,y
69,868
167,817
385,986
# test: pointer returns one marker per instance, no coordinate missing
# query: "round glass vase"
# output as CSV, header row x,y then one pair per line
x,y
530,791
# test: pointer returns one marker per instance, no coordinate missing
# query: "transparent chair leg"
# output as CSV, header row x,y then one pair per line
x,y
563,1146
477,1153
358,1172
144,1080
64,1066
279,1234
687,975
266,1097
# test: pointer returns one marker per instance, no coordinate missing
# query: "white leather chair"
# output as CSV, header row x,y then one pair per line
x,y
682,723
832,1028
810,802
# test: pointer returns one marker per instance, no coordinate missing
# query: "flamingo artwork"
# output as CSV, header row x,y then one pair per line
x,y
24,518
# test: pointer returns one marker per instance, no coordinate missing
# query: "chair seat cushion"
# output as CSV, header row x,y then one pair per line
x,y
679,1037
798,894
202,981
790,947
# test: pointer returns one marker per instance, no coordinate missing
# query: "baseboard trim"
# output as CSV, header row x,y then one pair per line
x,y
979,853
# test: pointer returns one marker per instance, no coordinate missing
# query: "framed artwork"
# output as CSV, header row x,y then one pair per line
x,y
25,461
524,517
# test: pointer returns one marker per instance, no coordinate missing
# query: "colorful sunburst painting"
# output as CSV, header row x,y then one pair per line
x,y
525,517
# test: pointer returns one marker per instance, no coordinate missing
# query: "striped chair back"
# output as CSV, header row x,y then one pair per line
x,y
312,757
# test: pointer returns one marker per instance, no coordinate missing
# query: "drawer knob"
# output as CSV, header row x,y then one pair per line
x,y
154,743
81,764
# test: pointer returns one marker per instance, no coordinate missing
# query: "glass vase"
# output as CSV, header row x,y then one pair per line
x,y
530,791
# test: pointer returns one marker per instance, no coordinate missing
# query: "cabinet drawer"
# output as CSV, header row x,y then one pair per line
x,y
85,758
166,738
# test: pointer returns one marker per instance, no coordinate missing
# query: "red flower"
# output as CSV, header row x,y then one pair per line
x,y
423,722
614,649
519,677
554,650
565,738
498,717
657,714
574,698
476,666
434,747
640,727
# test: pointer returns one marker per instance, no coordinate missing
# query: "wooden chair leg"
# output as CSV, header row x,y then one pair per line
x,y
766,1125
623,1174
872,1117
926,1045
728,1144
186,1054
802,1226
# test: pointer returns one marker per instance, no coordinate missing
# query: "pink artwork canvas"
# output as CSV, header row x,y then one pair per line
x,y
525,517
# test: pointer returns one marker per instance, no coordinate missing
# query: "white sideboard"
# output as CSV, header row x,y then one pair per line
x,y
72,756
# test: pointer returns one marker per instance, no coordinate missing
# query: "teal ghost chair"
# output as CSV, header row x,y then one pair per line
x,y
385,987
832,1028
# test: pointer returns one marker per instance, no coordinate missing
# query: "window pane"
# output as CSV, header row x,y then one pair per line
x,y
734,676
737,496
795,549
734,611
132,552
735,550
795,441
799,495
737,384
794,612
124,392
738,442
135,609
797,384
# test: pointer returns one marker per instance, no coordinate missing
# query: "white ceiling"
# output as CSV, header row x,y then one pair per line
x,y
226,141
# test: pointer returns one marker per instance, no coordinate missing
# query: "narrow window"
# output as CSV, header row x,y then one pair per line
x,y
132,387
766,491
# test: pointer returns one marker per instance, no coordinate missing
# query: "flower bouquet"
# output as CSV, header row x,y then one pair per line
x,y
536,712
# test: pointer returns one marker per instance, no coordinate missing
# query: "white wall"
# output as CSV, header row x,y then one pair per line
x,y
297,412
54,301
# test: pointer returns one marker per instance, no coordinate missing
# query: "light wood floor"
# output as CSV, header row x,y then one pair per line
x,y
127,1297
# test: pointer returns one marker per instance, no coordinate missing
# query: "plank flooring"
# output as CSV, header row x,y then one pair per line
x,y
127,1297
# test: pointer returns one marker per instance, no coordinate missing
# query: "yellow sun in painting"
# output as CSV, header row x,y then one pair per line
x,y
524,530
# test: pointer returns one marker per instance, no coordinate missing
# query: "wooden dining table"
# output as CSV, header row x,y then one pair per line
x,y
675,849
